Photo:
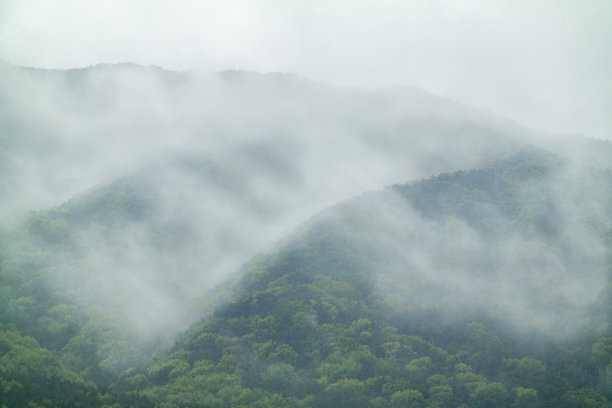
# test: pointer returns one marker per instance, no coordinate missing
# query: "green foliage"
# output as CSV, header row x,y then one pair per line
x,y
307,325
347,392
32,375
408,399
489,395
584,398
524,397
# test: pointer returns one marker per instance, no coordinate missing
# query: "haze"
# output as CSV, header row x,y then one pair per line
x,y
236,160
545,63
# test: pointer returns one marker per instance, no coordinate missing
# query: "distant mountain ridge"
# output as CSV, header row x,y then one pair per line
x,y
123,113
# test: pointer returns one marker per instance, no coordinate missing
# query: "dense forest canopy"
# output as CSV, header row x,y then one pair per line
x,y
263,262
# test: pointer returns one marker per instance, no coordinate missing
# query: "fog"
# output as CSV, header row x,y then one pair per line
x,y
455,270
227,160
226,163
184,176
545,63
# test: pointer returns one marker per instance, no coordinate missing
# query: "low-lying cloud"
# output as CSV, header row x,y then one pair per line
x,y
234,162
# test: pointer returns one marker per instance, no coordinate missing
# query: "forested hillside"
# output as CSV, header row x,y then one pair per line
x,y
480,288
183,239
339,317
155,186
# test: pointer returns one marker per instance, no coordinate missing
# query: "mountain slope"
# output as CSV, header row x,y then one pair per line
x,y
62,132
487,287
478,272
342,317
266,151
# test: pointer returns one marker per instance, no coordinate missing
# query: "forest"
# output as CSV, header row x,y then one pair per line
x,y
313,323
482,280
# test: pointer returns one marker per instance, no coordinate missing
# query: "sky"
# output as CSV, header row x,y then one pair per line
x,y
545,63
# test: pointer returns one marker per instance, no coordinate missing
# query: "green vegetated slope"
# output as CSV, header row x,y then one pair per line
x,y
485,287
482,288
67,315
367,308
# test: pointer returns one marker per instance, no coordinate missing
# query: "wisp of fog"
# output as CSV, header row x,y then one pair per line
x,y
229,163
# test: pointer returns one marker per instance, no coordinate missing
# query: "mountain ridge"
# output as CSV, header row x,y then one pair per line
x,y
484,285
305,303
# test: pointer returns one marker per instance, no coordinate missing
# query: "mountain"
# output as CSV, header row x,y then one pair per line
x,y
212,169
223,165
141,200
63,132
459,289
485,287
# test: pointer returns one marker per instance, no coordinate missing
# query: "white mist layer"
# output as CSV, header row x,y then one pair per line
x,y
283,148
529,280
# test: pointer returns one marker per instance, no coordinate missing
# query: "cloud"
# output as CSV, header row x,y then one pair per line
x,y
232,162
542,268
545,63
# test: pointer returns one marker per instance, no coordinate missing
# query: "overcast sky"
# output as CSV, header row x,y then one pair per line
x,y
546,63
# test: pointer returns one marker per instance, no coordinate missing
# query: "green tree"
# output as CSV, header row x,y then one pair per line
x,y
492,395
441,395
584,398
524,397
346,393
408,399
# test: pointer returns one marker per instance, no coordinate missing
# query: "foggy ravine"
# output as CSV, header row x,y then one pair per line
x,y
232,162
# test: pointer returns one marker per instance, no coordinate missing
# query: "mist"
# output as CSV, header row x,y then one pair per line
x,y
278,203
545,64
458,268
229,163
